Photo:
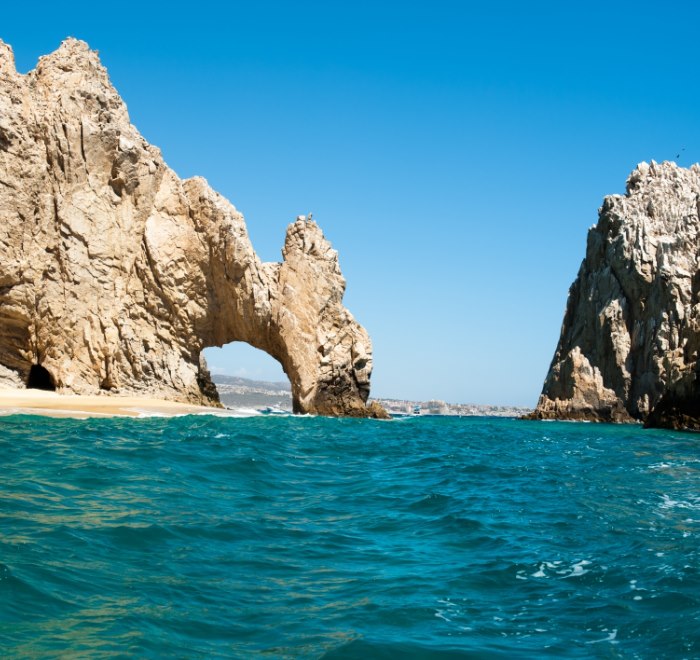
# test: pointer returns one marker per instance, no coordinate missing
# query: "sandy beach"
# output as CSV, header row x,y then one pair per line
x,y
39,402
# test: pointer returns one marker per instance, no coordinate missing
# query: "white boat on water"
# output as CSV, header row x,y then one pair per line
x,y
273,410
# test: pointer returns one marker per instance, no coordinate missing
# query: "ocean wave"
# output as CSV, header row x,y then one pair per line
x,y
226,536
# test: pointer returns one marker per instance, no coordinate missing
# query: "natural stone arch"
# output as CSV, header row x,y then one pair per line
x,y
115,274
293,312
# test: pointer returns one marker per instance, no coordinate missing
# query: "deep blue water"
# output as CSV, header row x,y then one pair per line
x,y
204,537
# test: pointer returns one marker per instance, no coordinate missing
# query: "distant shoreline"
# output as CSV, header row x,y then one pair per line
x,y
238,397
239,391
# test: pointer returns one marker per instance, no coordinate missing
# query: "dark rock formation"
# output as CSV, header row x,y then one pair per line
x,y
629,343
115,274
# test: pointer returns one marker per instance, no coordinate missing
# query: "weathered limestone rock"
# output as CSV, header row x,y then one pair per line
x,y
115,274
629,343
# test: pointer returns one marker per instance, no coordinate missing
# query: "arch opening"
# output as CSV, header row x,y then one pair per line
x,y
40,379
248,378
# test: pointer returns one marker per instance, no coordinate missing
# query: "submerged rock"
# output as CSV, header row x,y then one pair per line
x,y
116,274
629,343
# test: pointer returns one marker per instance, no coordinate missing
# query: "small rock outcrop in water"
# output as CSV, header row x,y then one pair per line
x,y
629,342
115,274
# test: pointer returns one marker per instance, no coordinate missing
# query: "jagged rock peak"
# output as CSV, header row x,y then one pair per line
x,y
73,66
72,50
629,343
644,174
115,274
73,55
7,61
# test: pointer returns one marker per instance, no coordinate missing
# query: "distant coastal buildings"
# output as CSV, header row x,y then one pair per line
x,y
437,407
236,392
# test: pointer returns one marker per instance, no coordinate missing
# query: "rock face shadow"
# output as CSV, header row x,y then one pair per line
x,y
40,379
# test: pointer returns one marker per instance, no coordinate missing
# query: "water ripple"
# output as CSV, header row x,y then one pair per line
x,y
303,537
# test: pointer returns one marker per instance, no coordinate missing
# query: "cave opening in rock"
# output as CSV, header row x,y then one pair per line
x,y
40,379
247,377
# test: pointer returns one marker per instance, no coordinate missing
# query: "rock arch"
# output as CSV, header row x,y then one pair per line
x,y
116,274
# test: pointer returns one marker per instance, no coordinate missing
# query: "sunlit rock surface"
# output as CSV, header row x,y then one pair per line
x,y
629,342
116,274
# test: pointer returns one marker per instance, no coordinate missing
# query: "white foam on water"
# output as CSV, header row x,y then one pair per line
x,y
147,414
546,568
610,638
142,413
235,412
578,568
669,503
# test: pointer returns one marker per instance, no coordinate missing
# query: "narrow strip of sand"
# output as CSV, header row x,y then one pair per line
x,y
39,402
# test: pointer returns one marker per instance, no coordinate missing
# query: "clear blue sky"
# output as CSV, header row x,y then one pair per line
x,y
454,153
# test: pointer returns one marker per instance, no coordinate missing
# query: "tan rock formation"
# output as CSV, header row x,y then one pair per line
x,y
115,274
629,343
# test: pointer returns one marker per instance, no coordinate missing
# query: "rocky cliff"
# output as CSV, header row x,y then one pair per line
x,y
629,342
116,274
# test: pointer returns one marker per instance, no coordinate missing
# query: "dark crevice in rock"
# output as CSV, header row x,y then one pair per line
x,y
40,379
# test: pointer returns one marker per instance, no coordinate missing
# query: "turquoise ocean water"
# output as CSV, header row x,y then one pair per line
x,y
205,537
